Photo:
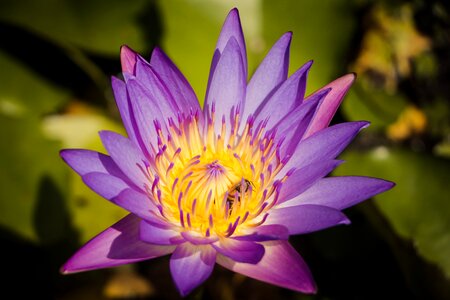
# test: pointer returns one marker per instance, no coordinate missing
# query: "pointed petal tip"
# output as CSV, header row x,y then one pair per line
x,y
234,11
312,290
157,51
127,59
345,221
385,185
286,38
364,124
347,79
63,153
390,184
63,270
66,269
289,34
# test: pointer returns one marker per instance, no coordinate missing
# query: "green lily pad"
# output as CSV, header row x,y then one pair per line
x,y
418,208
381,108
41,199
90,213
23,93
322,32
98,26
29,161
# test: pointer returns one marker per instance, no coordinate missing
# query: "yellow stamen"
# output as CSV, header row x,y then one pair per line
x,y
212,183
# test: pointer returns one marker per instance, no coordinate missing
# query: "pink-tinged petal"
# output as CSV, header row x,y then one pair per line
x,y
191,265
281,265
127,59
324,145
240,251
265,233
123,104
285,99
301,179
174,80
159,235
306,218
127,157
341,192
150,80
227,89
326,111
117,245
119,193
270,74
87,161
231,29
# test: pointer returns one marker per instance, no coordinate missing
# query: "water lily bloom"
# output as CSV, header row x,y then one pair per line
x,y
227,183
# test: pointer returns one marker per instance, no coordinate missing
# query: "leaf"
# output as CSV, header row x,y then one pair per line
x,y
98,26
377,106
417,208
35,200
29,163
27,158
322,31
91,213
23,93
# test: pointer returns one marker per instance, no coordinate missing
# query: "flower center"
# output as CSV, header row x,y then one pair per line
x,y
214,183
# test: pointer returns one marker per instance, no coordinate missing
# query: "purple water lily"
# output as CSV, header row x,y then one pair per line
x,y
225,184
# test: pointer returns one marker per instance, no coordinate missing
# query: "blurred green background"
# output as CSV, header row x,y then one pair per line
x,y
56,58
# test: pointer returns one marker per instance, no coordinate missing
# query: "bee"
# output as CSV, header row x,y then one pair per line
x,y
234,195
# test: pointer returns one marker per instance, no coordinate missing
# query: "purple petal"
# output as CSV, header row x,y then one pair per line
x,y
125,154
306,218
270,74
123,104
265,233
175,81
159,235
197,238
281,265
191,265
341,192
304,178
326,111
127,59
291,128
324,145
241,251
104,184
117,245
116,190
148,94
87,161
286,98
231,29
150,80
145,111
227,87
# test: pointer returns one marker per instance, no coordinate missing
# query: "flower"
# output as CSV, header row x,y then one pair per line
x,y
225,184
